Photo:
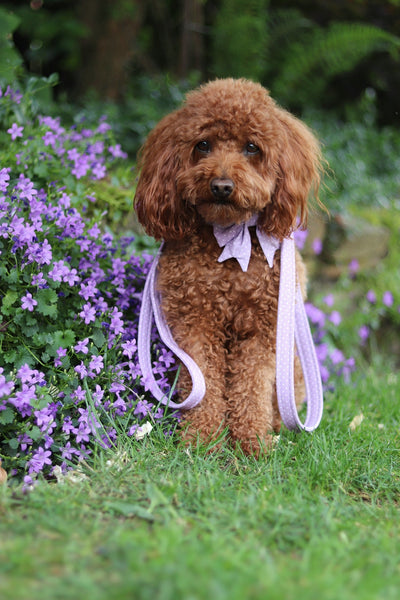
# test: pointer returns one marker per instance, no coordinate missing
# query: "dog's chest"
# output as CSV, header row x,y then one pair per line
x,y
192,281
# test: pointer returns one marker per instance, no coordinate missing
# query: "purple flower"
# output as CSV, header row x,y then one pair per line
x,y
67,426
96,364
39,460
81,167
103,127
129,348
166,357
45,420
82,433
329,300
88,313
116,151
300,236
41,253
142,408
371,296
317,246
25,187
88,290
28,302
354,267
25,373
71,277
98,394
59,271
24,441
81,370
322,352
79,394
336,356
81,346
22,399
94,231
61,353
6,387
15,131
68,451
39,280
117,324
335,318
4,178
363,333
315,315
388,299
49,139
99,171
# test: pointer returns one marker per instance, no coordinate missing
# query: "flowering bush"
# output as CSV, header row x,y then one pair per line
x,y
70,295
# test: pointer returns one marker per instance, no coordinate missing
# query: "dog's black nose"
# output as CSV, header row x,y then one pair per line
x,y
222,188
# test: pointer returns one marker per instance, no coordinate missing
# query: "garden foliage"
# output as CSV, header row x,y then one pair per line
x,y
70,293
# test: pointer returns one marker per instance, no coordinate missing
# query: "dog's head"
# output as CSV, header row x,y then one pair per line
x,y
228,153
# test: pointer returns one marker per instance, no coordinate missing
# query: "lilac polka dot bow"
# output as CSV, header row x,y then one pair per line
x,y
236,242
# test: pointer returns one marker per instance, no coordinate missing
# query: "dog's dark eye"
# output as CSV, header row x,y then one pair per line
x,y
204,147
251,148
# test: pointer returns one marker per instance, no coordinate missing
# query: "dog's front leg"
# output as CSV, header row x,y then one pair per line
x,y
253,413
206,421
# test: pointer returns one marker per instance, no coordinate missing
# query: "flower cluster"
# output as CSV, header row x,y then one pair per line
x,y
69,303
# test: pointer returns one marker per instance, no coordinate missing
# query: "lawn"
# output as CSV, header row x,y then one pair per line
x,y
318,518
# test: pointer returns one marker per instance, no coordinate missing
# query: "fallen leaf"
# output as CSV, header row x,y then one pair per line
x,y
143,430
356,422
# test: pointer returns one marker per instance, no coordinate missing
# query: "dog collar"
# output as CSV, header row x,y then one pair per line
x,y
292,326
236,242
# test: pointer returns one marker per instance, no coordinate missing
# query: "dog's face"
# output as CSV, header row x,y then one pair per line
x,y
226,179
228,153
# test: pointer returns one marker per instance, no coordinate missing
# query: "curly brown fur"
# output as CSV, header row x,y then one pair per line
x,y
231,131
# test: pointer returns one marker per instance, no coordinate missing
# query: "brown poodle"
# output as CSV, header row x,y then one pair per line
x,y
228,154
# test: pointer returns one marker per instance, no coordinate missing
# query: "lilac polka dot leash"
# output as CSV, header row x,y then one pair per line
x,y
151,306
292,326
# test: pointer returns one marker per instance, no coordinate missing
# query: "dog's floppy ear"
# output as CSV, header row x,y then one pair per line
x,y
158,206
298,175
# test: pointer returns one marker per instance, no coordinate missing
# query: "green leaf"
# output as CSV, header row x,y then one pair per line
x,y
31,330
10,356
8,300
63,339
41,402
7,416
34,433
9,22
47,302
13,276
13,443
98,338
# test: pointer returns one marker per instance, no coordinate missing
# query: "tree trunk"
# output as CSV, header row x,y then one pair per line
x,y
192,38
109,46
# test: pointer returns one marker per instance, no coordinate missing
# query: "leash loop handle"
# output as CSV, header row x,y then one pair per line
x,y
293,326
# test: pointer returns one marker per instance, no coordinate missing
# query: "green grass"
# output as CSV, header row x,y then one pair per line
x,y
319,518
